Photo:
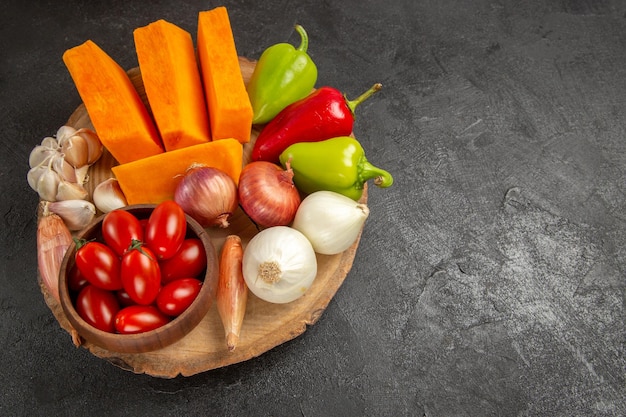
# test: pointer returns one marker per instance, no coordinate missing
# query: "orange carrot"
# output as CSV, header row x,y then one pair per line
x,y
172,82
154,179
118,115
230,111
232,292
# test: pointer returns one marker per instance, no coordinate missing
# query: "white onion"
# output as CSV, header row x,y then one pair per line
x,y
279,264
331,221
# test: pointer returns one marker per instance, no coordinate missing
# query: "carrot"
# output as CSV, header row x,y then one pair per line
x,y
232,292
117,113
154,179
230,111
172,82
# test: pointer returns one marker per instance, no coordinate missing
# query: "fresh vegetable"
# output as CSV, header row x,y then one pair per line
x,y
75,213
279,264
336,164
189,261
332,222
140,274
324,114
166,228
98,307
207,194
154,179
138,319
58,166
282,75
108,196
53,240
75,280
119,229
176,296
267,194
81,148
98,264
119,116
230,111
232,292
167,60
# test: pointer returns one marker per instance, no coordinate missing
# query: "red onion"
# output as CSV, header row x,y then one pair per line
x,y
207,194
267,194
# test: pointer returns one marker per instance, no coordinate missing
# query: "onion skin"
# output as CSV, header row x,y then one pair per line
x,y
207,194
232,291
267,194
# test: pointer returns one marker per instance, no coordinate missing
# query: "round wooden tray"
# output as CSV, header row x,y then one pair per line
x,y
265,325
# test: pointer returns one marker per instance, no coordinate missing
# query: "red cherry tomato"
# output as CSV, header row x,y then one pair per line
x,y
99,265
97,307
138,319
123,298
189,261
166,229
175,297
119,229
140,274
75,280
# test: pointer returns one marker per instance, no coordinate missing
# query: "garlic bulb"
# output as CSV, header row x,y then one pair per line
x,y
279,264
331,221
76,214
59,165
108,196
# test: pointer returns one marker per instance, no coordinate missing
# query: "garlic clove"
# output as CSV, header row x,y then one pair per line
x,y
76,151
34,174
76,214
94,145
108,196
47,184
71,191
50,143
65,132
81,174
63,168
40,155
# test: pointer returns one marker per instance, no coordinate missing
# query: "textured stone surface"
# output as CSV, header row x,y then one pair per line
x,y
490,278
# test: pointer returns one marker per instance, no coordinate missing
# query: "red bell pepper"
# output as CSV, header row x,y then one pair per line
x,y
325,113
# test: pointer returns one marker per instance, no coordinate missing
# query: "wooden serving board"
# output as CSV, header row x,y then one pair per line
x,y
265,325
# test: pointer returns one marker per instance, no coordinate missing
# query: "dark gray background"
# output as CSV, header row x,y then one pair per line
x,y
490,279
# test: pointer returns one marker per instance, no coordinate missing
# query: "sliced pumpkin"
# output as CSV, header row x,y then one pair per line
x,y
230,111
171,78
117,113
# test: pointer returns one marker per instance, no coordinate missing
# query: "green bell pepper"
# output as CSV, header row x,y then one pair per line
x,y
336,164
282,76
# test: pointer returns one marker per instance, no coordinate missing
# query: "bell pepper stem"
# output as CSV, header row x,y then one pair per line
x,y
304,43
382,178
352,104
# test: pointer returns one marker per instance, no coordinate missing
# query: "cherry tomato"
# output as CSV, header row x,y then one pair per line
x,y
175,297
75,280
166,229
140,273
97,307
99,265
189,261
123,298
119,229
138,319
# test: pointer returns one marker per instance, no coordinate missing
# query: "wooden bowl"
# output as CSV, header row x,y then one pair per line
x,y
154,339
